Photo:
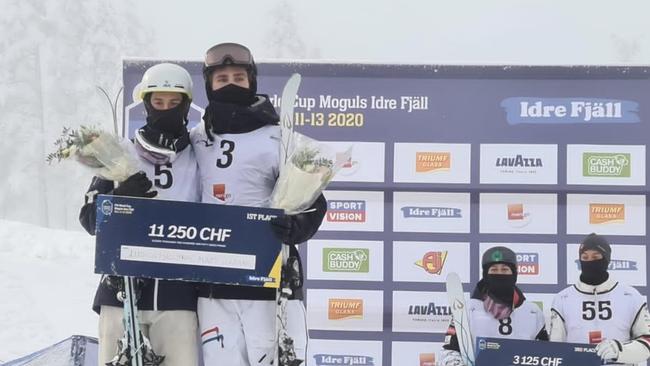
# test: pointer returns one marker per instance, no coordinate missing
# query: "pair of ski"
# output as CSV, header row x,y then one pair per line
x,y
460,316
134,348
285,354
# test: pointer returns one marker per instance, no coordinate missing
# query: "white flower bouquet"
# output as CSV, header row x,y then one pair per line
x,y
309,168
105,153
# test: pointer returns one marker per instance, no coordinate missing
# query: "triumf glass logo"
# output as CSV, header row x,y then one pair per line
x,y
432,161
345,309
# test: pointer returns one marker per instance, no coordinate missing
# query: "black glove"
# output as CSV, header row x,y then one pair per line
x,y
137,185
282,227
296,229
115,283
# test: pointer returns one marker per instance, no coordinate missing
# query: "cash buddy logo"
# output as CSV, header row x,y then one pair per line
x,y
426,162
339,309
346,211
569,110
432,262
517,217
323,359
606,213
616,165
431,212
353,260
527,263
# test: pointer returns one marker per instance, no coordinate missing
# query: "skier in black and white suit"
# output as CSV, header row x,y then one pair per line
x,y
167,309
598,309
238,150
497,307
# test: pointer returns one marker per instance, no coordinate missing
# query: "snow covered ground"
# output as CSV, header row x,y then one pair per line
x,y
46,287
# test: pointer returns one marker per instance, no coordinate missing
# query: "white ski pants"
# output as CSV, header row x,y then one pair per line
x,y
242,332
172,333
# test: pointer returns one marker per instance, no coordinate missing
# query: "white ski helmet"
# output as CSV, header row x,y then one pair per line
x,y
164,77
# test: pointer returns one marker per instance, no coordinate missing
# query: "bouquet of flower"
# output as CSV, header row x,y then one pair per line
x,y
309,168
97,149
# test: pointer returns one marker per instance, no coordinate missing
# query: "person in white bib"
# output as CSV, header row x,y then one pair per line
x,y
600,310
238,150
166,309
497,307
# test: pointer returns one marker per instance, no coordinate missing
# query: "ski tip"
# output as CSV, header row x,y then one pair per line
x,y
453,276
297,76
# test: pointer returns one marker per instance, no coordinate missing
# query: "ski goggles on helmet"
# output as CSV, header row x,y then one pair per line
x,y
153,153
228,54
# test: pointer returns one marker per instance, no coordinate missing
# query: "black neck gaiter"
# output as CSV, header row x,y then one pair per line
x,y
166,128
594,272
222,117
501,288
234,94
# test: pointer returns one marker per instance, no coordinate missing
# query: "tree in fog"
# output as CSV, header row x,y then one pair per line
x,y
55,54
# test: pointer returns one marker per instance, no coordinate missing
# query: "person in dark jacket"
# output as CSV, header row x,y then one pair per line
x,y
167,309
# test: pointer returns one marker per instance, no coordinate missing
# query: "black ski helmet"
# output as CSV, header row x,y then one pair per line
x,y
496,255
224,54
598,243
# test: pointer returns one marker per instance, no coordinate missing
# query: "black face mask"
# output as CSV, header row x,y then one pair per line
x,y
501,287
234,94
594,272
170,122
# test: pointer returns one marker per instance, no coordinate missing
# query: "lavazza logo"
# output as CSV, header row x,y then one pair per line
x,y
323,359
430,313
519,164
616,165
355,260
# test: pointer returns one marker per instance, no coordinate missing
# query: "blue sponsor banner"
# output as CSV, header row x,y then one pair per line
x,y
513,352
187,241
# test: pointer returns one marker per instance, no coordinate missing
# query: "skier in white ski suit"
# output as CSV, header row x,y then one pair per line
x,y
497,308
603,311
167,309
238,150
